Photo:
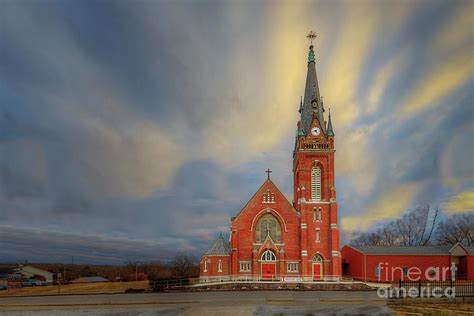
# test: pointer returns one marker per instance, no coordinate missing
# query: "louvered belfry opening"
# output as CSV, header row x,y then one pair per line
x,y
316,183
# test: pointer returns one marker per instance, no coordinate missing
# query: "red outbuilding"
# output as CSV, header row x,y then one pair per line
x,y
411,263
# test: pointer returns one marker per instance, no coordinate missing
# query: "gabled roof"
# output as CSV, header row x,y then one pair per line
x,y
220,247
255,194
403,250
458,249
32,269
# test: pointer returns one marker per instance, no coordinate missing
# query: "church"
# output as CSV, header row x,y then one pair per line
x,y
274,239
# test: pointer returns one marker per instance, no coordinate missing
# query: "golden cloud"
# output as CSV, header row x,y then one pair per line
x,y
457,168
352,159
381,79
344,67
440,82
266,107
391,204
457,32
461,203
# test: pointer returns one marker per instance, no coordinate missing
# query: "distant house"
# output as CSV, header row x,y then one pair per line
x,y
8,278
90,280
392,263
30,272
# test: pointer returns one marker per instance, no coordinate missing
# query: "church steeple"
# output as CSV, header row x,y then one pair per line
x,y
312,100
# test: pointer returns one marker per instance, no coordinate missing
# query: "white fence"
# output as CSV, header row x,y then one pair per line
x,y
285,279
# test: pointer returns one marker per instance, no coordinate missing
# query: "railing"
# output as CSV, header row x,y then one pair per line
x,y
275,278
172,283
180,283
449,288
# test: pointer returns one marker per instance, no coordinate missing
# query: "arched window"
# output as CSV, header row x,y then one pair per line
x,y
268,225
317,258
316,183
268,256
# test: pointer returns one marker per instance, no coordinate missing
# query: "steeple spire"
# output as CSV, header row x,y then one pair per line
x,y
311,93
330,131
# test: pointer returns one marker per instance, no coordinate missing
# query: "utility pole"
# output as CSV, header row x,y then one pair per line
x,y
136,271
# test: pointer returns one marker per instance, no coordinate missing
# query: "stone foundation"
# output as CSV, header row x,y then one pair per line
x,y
277,286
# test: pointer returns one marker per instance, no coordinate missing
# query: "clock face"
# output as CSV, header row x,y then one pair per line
x,y
315,131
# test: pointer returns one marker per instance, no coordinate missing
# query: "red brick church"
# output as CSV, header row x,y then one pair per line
x,y
274,239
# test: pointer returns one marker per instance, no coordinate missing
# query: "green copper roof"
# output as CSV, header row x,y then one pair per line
x,y
311,54
301,133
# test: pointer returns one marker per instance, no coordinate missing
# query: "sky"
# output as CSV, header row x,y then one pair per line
x,y
133,130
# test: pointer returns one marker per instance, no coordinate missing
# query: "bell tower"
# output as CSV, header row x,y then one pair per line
x,y
314,188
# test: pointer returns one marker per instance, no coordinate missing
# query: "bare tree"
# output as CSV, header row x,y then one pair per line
x,y
457,228
413,228
185,266
416,227
367,239
389,234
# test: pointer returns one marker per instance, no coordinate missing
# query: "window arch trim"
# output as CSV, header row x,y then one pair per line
x,y
318,258
268,256
265,211
268,226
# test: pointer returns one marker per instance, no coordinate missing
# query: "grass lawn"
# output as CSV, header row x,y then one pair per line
x,y
434,309
82,288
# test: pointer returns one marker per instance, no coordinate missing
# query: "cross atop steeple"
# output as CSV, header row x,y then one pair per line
x,y
268,173
311,35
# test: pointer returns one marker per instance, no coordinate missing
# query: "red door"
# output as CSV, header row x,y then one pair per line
x,y
316,271
268,270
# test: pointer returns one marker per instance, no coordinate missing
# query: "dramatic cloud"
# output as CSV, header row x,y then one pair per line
x,y
148,125
440,82
382,78
461,203
50,246
390,205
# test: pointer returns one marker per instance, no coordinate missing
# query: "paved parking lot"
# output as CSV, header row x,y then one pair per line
x,y
200,303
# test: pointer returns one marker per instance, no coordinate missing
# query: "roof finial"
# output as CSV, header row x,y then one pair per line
x,y
311,35
268,173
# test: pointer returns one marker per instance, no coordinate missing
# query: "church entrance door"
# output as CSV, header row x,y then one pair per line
x,y
268,267
317,271
268,270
